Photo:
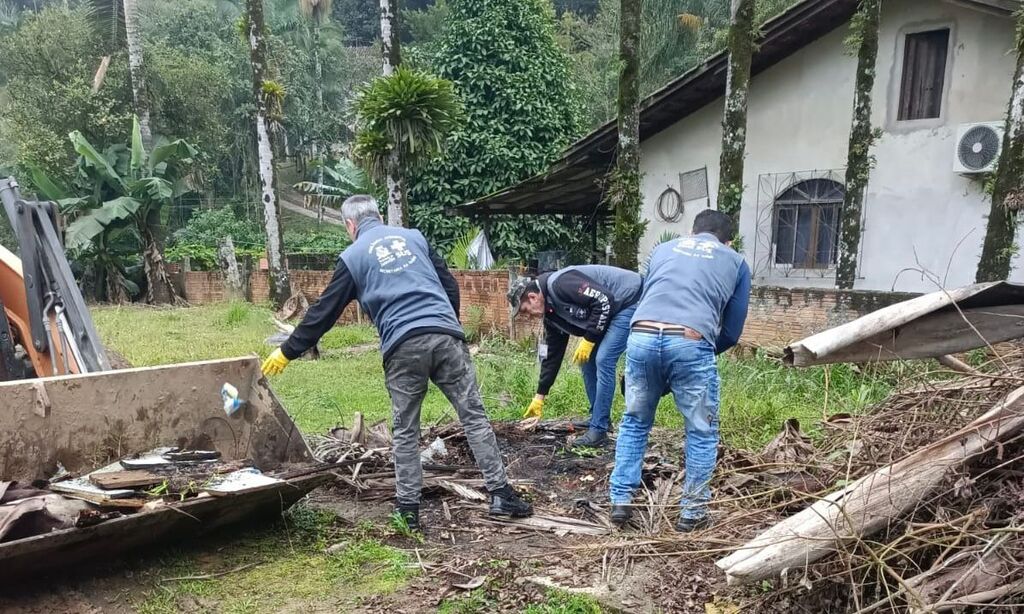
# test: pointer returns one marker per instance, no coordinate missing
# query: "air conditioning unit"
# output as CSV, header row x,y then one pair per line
x,y
977,147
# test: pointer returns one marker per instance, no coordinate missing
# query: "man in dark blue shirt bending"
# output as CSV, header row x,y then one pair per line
x,y
413,300
693,307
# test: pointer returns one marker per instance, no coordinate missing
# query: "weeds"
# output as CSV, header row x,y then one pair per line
x,y
238,313
560,602
400,525
473,323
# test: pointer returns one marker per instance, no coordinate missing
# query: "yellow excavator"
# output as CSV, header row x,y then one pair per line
x,y
45,326
64,411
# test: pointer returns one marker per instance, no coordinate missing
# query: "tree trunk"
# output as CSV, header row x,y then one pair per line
x,y
396,191
280,287
734,117
874,501
1008,189
862,136
392,57
116,292
134,39
318,147
390,48
159,288
228,263
624,189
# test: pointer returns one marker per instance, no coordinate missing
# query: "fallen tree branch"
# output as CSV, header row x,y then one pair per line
x,y
871,502
210,576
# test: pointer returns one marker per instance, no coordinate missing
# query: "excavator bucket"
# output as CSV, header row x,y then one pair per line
x,y
80,422
65,414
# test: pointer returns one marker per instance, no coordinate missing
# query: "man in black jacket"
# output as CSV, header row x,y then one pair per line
x,y
595,302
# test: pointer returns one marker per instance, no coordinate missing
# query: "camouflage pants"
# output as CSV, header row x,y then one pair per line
x,y
444,360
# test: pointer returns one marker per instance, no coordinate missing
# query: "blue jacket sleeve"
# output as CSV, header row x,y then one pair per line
x,y
735,314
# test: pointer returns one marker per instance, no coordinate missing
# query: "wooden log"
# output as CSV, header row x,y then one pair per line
x,y
871,502
124,479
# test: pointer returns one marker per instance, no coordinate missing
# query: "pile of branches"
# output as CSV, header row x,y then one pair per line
x,y
958,544
367,469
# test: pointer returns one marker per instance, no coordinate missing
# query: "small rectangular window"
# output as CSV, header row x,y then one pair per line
x,y
924,74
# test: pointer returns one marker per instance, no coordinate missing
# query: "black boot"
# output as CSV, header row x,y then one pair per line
x,y
593,438
620,514
411,514
581,424
506,502
689,525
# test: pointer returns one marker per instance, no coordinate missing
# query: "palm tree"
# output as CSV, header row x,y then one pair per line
x,y
263,91
624,193
404,117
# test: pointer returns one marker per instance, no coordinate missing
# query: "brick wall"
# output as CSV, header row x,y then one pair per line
x,y
483,293
777,316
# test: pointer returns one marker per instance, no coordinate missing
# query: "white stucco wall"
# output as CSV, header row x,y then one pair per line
x,y
917,209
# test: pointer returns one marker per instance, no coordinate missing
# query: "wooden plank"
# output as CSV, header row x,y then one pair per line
x,y
125,479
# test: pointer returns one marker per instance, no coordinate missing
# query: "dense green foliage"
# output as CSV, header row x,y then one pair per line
x,y
116,203
521,109
531,76
48,64
409,111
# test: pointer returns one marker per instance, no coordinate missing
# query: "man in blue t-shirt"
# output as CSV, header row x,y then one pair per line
x,y
693,307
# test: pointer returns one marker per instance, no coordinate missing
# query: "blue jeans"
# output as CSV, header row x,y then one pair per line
x,y
656,364
599,371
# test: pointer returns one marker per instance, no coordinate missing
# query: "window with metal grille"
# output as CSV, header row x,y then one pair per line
x,y
924,74
807,224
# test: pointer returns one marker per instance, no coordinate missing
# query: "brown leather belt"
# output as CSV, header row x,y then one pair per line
x,y
676,331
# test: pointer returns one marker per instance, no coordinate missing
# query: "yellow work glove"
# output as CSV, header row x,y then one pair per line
x,y
535,410
583,351
275,363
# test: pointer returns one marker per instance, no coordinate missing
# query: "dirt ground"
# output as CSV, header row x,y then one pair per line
x,y
460,546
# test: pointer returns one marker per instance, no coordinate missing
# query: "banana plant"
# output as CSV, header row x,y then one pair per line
x,y
124,191
340,180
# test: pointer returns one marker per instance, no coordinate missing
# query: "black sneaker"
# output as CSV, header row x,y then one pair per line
x,y
593,438
411,514
620,514
506,502
688,525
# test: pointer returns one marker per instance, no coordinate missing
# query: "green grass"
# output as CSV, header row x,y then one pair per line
x,y
757,394
479,601
289,568
560,602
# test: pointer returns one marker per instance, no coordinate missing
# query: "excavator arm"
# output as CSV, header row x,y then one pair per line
x,y
43,315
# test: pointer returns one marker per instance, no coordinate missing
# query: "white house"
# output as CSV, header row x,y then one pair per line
x,y
942,67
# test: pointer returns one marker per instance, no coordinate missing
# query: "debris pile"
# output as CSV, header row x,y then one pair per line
x,y
915,505
145,482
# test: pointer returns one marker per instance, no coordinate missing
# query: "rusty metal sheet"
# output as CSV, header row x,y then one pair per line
x,y
84,421
931,325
